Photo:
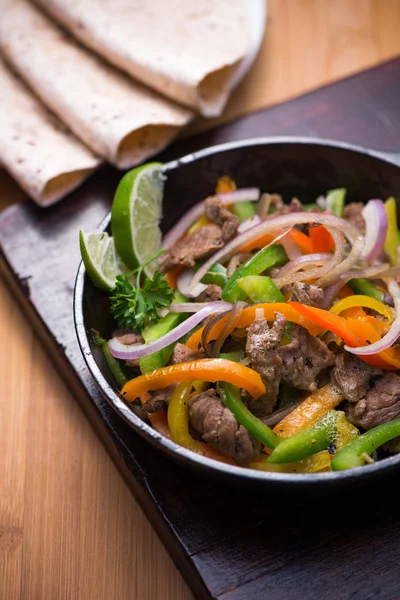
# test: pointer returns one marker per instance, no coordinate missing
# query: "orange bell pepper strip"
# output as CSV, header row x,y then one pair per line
x,y
356,312
225,184
321,239
205,369
172,276
354,332
302,240
260,242
157,419
248,316
311,410
363,301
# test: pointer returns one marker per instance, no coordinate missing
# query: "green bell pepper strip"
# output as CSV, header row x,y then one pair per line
x,y
231,396
154,332
356,453
260,288
235,355
264,259
311,206
391,242
366,288
111,361
244,210
216,275
335,201
309,441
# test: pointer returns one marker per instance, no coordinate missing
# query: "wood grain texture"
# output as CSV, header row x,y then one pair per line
x,y
69,526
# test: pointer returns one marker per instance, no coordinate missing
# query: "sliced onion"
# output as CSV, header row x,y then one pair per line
x,y
278,223
341,266
331,292
249,223
183,283
259,314
181,227
192,307
376,220
278,415
302,262
231,323
291,248
393,333
321,201
264,204
138,350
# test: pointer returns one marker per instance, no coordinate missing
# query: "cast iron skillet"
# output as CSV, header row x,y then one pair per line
x,y
303,167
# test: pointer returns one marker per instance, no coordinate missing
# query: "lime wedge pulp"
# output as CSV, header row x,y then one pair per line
x,y
136,213
101,261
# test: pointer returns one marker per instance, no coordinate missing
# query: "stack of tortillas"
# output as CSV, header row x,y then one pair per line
x,y
88,81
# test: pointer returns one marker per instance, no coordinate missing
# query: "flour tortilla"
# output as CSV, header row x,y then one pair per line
x,y
46,160
187,50
117,118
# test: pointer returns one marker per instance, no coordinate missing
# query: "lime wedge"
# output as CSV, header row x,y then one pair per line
x,y
101,261
136,213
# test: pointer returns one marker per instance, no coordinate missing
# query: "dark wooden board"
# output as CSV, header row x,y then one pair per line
x,y
229,543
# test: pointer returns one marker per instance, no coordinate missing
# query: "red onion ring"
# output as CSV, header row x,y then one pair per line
x,y
376,220
291,248
281,222
249,223
183,283
302,262
138,350
394,332
181,227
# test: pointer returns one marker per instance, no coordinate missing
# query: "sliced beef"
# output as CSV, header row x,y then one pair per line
x,y
221,216
262,348
303,359
182,354
201,243
352,212
159,399
353,376
219,427
311,295
380,405
210,294
129,337
281,208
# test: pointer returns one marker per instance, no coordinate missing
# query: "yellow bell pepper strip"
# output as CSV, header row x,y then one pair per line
x,y
357,452
365,301
257,264
309,411
248,316
172,276
312,464
307,442
363,286
354,332
201,222
205,369
302,240
178,417
346,432
391,242
231,396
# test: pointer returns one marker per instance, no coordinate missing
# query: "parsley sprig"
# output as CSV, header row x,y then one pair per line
x,y
135,306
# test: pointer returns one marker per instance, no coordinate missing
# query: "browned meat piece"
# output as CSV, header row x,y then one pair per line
x,y
182,354
352,376
160,399
221,216
219,427
261,347
210,294
129,337
352,212
380,405
201,243
311,295
303,359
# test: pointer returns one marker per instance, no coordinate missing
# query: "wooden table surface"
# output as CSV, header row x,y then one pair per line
x,y
69,526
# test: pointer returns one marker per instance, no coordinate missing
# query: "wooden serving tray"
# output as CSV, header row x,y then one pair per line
x,y
229,543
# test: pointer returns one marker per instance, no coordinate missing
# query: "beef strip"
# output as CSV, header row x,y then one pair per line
x,y
261,347
380,405
221,216
281,208
200,244
303,359
160,399
129,337
219,427
210,294
352,212
352,376
311,295
182,354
